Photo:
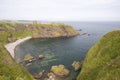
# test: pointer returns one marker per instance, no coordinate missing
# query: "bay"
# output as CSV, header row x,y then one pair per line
x,y
64,50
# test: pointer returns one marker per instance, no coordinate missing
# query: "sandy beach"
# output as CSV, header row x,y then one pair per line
x,y
11,46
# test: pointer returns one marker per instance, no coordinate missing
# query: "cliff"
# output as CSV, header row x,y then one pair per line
x,y
10,32
102,61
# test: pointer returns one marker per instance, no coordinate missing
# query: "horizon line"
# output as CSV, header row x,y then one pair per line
x,y
60,20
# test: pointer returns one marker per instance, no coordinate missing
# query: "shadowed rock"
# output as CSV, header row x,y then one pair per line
x,y
39,75
77,65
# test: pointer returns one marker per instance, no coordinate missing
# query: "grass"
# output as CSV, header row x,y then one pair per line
x,y
9,69
102,62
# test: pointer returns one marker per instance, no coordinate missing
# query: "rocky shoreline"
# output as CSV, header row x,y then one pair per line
x,y
58,72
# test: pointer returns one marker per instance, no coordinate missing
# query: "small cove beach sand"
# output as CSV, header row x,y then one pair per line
x,y
11,46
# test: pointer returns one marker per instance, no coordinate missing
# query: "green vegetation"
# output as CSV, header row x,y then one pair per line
x,y
51,30
103,59
11,31
9,69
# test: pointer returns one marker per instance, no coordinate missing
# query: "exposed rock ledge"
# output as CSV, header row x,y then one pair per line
x,y
11,46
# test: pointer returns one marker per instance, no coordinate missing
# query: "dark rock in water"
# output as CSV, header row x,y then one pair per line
x,y
80,30
39,75
52,76
60,70
84,33
28,64
88,34
29,59
77,65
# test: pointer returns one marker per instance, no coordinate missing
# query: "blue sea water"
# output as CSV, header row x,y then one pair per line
x,y
64,50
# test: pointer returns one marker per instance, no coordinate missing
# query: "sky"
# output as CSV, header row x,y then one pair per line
x,y
60,10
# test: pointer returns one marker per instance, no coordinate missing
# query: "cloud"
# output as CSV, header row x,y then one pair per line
x,y
56,3
59,9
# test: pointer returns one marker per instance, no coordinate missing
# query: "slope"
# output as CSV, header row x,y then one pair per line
x,y
102,62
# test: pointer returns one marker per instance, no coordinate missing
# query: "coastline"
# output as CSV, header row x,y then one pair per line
x,y
11,46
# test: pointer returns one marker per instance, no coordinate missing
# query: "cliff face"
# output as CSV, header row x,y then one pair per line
x,y
102,62
9,32
51,30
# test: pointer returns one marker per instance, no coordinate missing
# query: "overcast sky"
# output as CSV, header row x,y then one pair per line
x,y
71,10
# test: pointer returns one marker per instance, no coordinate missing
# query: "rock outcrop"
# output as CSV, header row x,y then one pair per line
x,y
51,76
41,56
39,75
77,65
28,57
60,70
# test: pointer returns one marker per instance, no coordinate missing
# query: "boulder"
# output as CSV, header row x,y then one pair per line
x,y
28,57
77,65
41,56
28,64
60,70
52,76
39,75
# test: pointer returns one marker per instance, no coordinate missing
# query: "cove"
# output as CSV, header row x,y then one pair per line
x,y
63,50
57,51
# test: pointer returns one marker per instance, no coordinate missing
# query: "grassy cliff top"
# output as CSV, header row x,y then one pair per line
x,y
9,32
102,62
